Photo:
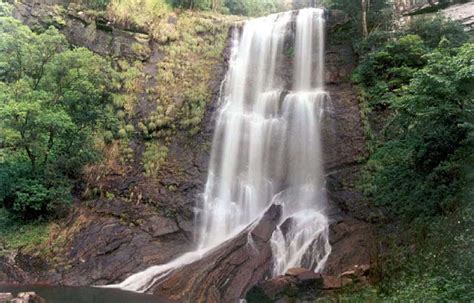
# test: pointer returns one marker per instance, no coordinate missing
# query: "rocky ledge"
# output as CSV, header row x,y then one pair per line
x,y
229,271
302,285
83,27
22,297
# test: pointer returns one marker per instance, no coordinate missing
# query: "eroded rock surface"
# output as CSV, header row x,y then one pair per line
x,y
83,28
350,214
230,270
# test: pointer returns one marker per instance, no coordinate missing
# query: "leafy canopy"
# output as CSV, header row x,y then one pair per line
x,y
52,99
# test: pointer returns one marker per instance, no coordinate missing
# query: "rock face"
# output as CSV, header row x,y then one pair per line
x,y
116,239
455,10
85,29
147,221
463,13
230,270
11,272
351,234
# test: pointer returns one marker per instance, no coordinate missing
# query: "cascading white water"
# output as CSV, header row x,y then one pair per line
x,y
247,148
266,146
302,239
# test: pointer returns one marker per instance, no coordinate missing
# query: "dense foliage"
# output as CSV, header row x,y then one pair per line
x,y
427,92
416,88
52,99
377,12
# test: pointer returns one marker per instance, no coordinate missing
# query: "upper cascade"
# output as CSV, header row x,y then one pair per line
x,y
267,145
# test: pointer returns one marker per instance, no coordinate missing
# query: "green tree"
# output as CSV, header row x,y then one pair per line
x,y
52,100
418,169
385,70
433,30
366,16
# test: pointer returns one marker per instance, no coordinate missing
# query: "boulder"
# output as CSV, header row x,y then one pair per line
x,y
5,297
297,283
27,297
333,282
303,275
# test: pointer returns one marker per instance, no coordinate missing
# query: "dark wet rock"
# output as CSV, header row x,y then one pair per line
x,y
297,285
116,238
303,274
353,245
351,233
14,269
336,18
229,271
345,196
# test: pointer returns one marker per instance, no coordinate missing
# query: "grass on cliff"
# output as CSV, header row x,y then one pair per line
x,y
191,44
139,12
15,234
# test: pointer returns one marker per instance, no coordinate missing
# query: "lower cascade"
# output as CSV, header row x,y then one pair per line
x,y
267,146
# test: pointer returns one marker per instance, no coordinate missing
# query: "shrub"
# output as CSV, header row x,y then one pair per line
x,y
153,158
388,68
417,170
433,30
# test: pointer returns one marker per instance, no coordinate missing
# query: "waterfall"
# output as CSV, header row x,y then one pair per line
x,y
302,239
267,146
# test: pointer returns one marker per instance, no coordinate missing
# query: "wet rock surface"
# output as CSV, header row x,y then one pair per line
x,y
351,235
10,272
116,239
302,285
352,244
229,271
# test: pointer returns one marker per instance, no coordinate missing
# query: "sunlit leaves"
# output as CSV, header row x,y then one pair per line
x,y
52,99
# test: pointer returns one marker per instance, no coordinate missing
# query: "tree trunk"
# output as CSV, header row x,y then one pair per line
x,y
363,4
